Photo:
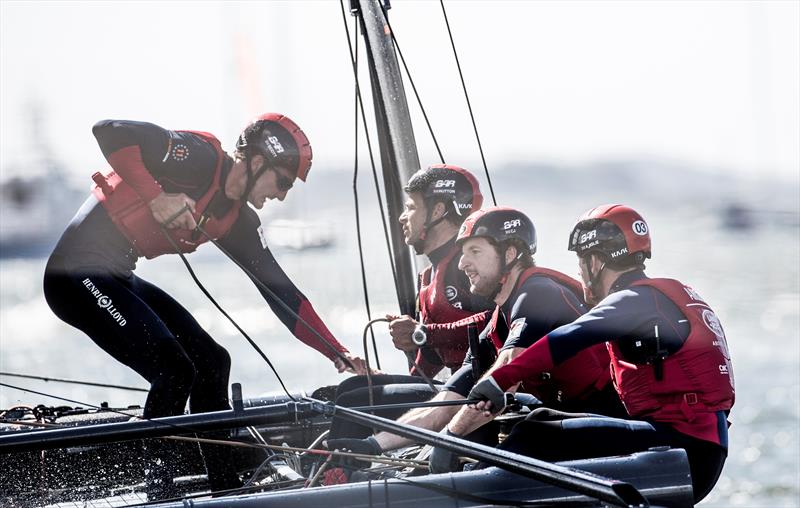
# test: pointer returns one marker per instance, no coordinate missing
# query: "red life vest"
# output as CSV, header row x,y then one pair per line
x,y
575,379
136,222
697,380
434,307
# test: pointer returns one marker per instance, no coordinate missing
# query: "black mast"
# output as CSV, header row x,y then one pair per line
x,y
399,159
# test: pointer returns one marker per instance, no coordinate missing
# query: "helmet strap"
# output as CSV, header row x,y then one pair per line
x,y
420,244
505,271
594,278
252,178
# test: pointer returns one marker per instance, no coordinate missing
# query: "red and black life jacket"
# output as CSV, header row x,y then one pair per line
x,y
697,379
434,307
136,222
575,379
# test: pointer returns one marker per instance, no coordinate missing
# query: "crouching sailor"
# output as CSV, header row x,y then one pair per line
x,y
669,359
183,184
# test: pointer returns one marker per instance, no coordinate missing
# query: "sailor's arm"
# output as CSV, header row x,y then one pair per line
x,y
135,150
245,245
124,145
444,334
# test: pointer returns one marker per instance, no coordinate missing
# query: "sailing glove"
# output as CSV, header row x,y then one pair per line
x,y
368,446
488,389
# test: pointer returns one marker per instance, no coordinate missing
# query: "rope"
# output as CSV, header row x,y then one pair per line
x,y
413,86
369,149
219,307
469,105
369,374
366,357
355,198
73,381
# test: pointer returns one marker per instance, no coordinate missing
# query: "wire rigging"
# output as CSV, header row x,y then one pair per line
x,y
74,381
355,192
469,105
219,307
178,428
413,85
369,150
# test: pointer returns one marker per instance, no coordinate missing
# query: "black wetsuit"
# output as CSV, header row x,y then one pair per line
x,y
90,283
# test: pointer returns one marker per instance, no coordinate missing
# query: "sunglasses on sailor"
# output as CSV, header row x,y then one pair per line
x,y
283,182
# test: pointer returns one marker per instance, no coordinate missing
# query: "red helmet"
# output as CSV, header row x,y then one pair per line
x,y
451,184
617,231
280,140
500,224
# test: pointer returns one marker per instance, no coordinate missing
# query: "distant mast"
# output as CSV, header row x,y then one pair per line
x,y
399,158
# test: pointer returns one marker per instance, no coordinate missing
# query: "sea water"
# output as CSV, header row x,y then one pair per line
x,y
750,277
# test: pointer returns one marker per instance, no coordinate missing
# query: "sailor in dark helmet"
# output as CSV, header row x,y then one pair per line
x,y
181,182
497,247
439,198
669,359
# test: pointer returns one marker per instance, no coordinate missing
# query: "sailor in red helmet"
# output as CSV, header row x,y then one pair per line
x,y
182,181
497,246
439,199
669,359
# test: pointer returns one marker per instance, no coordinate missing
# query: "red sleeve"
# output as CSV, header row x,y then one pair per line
x,y
301,331
128,164
442,335
532,362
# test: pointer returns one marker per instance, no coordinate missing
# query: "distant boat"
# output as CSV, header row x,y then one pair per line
x,y
299,234
35,210
37,202
739,217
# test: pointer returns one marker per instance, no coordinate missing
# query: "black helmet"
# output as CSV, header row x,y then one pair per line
x,y
450,184
280,140
500,224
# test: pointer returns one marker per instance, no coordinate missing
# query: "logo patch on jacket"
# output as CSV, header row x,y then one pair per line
x,y
180,152
451,293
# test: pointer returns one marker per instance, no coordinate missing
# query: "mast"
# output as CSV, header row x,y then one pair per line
x,y
399,159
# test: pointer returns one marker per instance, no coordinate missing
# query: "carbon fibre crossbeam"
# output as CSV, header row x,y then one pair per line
x,y
611,491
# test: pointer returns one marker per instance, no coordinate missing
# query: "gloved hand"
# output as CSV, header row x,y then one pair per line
x,y
441,460
368,446
487,389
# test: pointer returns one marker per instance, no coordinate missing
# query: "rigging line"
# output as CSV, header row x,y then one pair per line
x,y
369,150
280,302
74,381
469,105
413,86
219,307
180,428
366,357
410,357
355,199
382,459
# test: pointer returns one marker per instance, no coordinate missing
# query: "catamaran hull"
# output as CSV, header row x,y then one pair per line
x,y
661,476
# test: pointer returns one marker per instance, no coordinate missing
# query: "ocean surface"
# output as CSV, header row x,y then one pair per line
x,y
751,278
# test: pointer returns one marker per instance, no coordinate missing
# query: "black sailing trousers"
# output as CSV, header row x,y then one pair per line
x,y
144,328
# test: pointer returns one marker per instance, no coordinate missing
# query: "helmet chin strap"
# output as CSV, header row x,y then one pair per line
x,y
594,280
419,245
252,178
505,271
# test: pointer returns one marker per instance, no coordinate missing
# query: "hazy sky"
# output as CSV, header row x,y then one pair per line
x,y
712,84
